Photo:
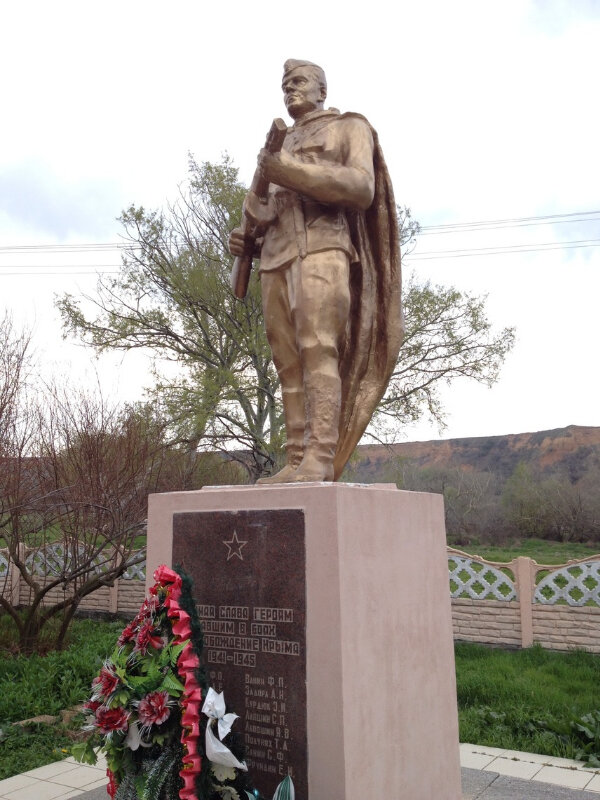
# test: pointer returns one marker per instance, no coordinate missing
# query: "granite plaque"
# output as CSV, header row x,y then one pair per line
x,y
248,569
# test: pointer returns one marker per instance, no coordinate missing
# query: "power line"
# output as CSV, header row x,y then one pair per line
x,y
509,222
67,248
428,254
499,250
547,219
59,266
47,274
459,227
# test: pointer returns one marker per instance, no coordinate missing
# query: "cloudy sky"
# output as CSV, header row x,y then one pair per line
x,y
486,112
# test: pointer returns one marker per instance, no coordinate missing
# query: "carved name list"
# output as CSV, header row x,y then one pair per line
x,y
248,569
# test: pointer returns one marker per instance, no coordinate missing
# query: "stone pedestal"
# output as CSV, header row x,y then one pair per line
x,y
327,621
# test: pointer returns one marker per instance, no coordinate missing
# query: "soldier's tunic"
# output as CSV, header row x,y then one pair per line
x,y
304,225
306,256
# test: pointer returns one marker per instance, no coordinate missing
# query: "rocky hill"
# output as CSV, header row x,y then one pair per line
x,y
570,451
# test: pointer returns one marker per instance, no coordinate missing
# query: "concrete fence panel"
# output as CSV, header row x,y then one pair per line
x,y
513,604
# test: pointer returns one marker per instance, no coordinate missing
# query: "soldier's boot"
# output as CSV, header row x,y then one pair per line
x,y
323,400
295,421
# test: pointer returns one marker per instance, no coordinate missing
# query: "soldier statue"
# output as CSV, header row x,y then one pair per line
x,y
327,237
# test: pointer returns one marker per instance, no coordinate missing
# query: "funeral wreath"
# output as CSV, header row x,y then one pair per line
x,y
165,733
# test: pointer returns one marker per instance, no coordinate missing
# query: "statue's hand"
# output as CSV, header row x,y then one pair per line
x,y
276,167
236,242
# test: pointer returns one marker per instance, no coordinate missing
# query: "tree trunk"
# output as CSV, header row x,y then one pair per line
x,y
29,634
68,615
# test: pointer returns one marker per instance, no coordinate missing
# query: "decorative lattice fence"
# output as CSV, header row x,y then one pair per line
x,y
56,560
522,602
479,580
513,604
576,585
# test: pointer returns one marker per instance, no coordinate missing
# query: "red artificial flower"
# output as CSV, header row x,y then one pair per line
x,y
92,705
190,716
112,785
181,627
191,684
188,790
191,747
127,634
111,719
188,658
192,765
191,731
148,609
148,637
192,697
154,709
166,576
106,682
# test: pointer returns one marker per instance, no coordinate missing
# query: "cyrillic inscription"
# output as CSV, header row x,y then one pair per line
x,y
253,614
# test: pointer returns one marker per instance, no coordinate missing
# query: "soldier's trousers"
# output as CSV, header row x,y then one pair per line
x,y
306,305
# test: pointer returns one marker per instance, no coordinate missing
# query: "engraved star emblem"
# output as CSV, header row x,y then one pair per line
x,y
234,547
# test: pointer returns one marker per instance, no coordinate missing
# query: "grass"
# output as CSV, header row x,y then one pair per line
x,y
34,746
522,699
47,684
543,551
517,699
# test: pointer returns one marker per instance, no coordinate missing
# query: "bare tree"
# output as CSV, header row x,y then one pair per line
x,y
15,363
75,473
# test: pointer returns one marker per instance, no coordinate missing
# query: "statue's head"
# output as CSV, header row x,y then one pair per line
x,y
304,87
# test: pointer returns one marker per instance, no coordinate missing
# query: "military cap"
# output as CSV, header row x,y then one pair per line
x,y
293,63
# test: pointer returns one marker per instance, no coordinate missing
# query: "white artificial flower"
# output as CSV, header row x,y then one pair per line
x,y
222,773
228,793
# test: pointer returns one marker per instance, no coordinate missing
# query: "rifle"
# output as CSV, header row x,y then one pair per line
x,y
240,274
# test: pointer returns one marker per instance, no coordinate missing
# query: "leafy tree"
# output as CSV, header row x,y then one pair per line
x,y
173,298
552,507
448,336
471,501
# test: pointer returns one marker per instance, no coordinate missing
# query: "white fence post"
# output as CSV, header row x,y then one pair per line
x,y
113,597
14,577
524,571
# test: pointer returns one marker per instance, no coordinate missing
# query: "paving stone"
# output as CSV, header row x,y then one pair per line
x,y
474,781
50,771
80,777
476,760
99,793
15,782
514,768
69,794
40,790
504,788
489,751
573,778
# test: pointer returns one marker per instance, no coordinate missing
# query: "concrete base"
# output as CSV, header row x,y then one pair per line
x,y
381,693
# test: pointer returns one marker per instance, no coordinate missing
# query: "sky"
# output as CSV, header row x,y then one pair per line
x,y
485,112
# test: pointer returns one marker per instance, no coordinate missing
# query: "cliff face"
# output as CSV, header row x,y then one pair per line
x,y
572,451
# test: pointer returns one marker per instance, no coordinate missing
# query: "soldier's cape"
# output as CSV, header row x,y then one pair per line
x,y
376,325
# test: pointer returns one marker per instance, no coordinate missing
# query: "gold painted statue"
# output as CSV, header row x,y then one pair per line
x,y
329,251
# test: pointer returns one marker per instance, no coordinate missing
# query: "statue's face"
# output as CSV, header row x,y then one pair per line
x,y
302,92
